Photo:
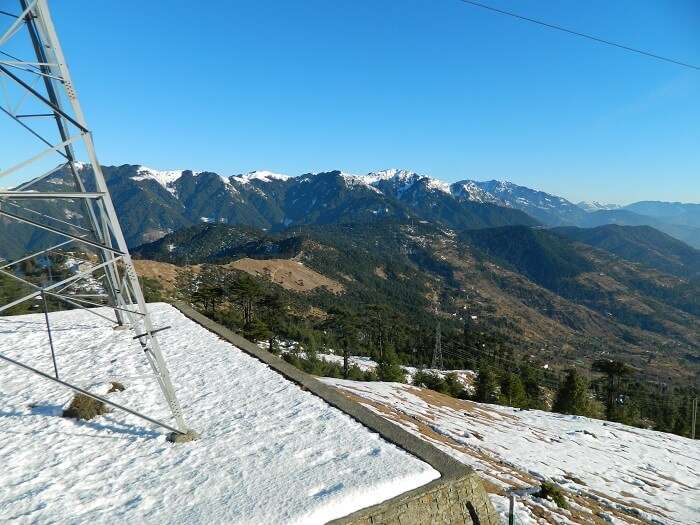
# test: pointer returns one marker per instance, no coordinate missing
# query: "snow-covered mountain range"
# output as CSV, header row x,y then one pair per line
x,y
154,202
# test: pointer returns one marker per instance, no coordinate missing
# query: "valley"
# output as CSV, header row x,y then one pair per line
x,y
512,278
539,294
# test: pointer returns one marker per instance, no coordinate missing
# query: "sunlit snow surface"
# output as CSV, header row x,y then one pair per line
x,y
269,452
625,474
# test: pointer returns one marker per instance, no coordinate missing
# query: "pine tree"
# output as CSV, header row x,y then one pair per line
x,y
615,371
377,315
486,385
512,391
532,379
389,368
273,309
344,325
210,287
256,330
573,396
246,292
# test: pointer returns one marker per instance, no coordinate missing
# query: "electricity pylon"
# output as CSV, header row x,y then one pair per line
x,y
69,205
437,352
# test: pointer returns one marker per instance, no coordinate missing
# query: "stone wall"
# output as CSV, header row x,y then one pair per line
x,y
457,497
448,502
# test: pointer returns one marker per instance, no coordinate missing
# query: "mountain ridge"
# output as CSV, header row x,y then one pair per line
x,y
418,192
152,203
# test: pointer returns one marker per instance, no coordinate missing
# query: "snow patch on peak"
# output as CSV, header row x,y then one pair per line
x,y
164,178
471,191
262,175
393,173
404,179
81,165
352,180
435,184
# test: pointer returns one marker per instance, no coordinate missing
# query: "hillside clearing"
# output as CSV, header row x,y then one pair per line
x,y
288,273
164,273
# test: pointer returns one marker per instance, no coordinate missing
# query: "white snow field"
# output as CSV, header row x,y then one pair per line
x,y
611,472
269,452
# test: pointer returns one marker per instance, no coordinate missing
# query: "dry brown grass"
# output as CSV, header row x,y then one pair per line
x,y
164,273
289,274
84,407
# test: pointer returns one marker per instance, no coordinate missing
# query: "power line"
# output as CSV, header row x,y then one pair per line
x,y
577,33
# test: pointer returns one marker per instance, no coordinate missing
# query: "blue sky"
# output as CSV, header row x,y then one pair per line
x,y
435,86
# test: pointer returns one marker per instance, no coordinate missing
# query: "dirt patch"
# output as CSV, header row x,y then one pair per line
x,y
632,504
289,274
379,272
316,313
164,273
463,405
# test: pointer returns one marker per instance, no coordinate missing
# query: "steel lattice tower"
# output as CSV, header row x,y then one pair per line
x,y
437,351
41,103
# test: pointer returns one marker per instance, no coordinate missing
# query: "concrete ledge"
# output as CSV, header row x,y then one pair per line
x,y
457,496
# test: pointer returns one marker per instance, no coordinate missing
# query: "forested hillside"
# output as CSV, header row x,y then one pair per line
x,y
531,291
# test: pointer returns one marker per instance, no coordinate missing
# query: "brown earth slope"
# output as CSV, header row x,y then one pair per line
x,y
289,274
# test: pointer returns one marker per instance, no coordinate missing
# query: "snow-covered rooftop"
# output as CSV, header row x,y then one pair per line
x,y
269,452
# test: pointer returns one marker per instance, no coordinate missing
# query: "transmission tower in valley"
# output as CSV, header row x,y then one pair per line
x,y
60,199
437,352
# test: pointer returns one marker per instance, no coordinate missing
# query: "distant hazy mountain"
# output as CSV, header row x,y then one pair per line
x,y
626,217
596,206
684,214
641,244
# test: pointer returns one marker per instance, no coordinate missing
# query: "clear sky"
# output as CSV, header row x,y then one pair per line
x,y
435,86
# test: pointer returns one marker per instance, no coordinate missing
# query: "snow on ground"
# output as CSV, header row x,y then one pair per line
x,y
269,452
611,471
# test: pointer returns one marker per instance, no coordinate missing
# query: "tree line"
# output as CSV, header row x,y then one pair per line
x,y
263,312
